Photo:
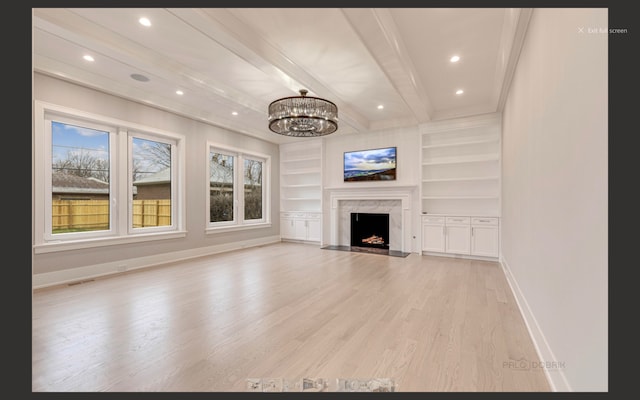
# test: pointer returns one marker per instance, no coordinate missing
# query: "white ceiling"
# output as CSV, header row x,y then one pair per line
x,y
227,60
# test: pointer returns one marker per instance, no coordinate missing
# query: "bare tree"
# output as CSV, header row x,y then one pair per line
x,y
150,157
253,189
157,154
221,187
83,163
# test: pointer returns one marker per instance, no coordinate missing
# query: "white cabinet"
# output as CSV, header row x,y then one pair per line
x,y
300,226
473,237
314,230
485,237
433,234
457,234
287,228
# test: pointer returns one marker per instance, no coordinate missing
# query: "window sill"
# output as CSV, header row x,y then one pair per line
x,y
53,246
230,228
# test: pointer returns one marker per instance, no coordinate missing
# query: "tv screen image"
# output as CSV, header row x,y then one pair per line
x,y
370,165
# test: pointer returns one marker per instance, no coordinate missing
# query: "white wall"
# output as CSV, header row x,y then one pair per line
x,y
72,265
407,141
554,188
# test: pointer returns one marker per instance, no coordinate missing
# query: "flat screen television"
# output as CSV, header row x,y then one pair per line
x,y
370,165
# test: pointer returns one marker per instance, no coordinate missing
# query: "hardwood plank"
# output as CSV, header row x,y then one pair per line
x,y
285,311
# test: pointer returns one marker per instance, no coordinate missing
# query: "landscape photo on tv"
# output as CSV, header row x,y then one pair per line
x,y
370,165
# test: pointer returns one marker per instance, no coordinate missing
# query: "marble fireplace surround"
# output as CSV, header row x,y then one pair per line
x,y
395,201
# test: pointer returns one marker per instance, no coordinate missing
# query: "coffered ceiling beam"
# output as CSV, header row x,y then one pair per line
x,y
226,29
378,32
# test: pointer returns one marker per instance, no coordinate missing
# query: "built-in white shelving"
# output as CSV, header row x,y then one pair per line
x,y
303,185
463,160
458,197
468,178
460,166
301,190
471,142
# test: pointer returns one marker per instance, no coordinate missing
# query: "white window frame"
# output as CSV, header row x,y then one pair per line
x,y
174,179
121,189
239,223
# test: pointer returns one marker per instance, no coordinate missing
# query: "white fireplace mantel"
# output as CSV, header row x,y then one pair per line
x,y
402,193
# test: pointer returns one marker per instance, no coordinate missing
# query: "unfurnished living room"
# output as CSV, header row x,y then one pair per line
x,y
319,200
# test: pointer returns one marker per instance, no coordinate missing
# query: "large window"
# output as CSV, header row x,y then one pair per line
x,y
237,188
80,169
151,182
100,178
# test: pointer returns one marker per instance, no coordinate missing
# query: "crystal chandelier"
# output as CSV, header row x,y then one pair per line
x,y
303,116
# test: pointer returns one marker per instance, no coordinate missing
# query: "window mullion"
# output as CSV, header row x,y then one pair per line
x,y
240,189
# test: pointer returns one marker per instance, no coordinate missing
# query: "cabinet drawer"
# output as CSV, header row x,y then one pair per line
x,y
433,220
458,220
312,216
484,221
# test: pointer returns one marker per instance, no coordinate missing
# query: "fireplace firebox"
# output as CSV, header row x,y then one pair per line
x,y
370,230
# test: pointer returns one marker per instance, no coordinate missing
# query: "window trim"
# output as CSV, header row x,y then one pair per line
x,y
151,137
49,118
120,189
239,223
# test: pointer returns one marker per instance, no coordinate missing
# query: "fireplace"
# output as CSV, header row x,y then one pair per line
x,y
370,230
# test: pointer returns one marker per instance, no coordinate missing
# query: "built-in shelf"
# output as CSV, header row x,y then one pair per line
x,y
298,159
299,199
460,166
301,178
302,171
302,185
459,197
463,179
471,142
463,160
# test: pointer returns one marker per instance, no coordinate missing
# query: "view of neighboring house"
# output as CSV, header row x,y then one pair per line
x,y
154,186
72,187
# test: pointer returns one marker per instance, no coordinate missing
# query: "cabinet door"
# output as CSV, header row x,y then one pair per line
x,y
287,228
484,241
433,238
458,239
313,230
300,229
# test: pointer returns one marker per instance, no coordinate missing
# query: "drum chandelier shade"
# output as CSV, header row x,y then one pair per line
x,y
303,116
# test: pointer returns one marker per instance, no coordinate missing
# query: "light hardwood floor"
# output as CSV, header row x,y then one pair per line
x,y
286,311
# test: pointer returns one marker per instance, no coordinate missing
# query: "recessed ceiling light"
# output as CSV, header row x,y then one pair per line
x,y
234,113
88,58
455,59
139,77
144,21
179,92
459,91
380,107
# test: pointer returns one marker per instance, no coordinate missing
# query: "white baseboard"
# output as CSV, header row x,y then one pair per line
x,y
465,256
98,270
556,378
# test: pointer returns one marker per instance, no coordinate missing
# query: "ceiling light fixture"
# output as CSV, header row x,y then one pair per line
x,y
459,91
380,107
455,59
234,113
303,116
179,92
144,21
88,58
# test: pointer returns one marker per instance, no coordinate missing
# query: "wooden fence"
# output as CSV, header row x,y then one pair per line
x,y
93,215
